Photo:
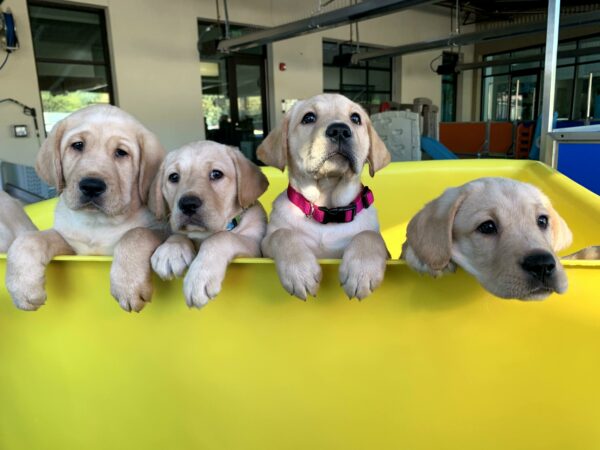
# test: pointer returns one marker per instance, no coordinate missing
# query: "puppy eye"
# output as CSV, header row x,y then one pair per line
x,y
542,222
488,227
78,146
355,118
174,177
215,174
120,153
309,117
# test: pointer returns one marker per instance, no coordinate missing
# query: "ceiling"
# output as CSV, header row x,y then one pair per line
x,y
478,11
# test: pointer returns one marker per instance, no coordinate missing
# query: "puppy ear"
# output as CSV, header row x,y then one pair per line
x,y
251,182
48,164
152,154
429,233
274,148
378,156
156,200
561,234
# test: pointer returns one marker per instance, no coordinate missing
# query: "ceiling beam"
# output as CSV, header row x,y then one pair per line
x,y
367,9
570,20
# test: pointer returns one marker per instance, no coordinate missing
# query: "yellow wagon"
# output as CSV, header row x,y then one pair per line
x,y
421,364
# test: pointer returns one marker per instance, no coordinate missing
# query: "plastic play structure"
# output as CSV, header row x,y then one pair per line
x,y
421,364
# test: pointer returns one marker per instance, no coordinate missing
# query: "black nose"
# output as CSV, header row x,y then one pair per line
x,y
539,265
189,204
92,187
338,132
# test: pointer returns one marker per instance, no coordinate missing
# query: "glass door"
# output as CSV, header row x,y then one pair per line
x,y
524,96
248,102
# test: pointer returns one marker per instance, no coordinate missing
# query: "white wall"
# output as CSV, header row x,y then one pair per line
x,y
18,80
156,70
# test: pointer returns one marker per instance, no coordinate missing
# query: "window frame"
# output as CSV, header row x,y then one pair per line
x,y
107,63
367,67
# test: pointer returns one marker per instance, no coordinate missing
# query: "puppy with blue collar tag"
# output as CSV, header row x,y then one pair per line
x,y
326,212
210,192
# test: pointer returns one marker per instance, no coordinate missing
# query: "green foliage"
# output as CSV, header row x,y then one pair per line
x,y
72,101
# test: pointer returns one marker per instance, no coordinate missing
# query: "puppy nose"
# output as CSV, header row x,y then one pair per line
x,y
189,204
92,187
338,132
539,265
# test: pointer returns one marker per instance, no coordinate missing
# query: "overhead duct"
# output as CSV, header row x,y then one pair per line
x,y
525,59
367,9
477,37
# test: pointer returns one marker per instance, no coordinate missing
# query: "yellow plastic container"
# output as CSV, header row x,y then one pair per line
x,y
421,364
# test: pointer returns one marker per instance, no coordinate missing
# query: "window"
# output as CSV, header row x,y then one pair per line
x,y
233,90
511,91
71,54
370,82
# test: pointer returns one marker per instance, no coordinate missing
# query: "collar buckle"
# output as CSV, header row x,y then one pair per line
x,y
338,215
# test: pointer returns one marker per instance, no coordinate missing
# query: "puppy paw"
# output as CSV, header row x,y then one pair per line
x,y
301,275
171,259
27,292
131,288
363,267
25,279
203,282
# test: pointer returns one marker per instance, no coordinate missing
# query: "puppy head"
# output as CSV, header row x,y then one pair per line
x,y
502,231
205,184
325,136
101,159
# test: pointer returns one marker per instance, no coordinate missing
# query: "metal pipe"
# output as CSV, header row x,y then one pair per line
x,y
571,20
226,11
517,100
589,97
547,144
361,11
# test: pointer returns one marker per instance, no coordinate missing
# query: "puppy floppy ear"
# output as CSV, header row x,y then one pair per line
x,y
48,164
429,233
274,148
561,234
378,156
156,200
251,182
151,156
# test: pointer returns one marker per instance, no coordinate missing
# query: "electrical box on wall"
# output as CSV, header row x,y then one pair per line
x,y
20,131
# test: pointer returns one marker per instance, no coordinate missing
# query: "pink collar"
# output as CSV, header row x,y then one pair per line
x,y
324,215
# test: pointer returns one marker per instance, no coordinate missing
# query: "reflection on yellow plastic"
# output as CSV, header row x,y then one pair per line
x,y
421,364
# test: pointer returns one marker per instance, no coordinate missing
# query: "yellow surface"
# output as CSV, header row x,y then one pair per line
x,y
422,364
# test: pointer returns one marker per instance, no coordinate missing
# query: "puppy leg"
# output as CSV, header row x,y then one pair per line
x,y
130,273
363,264
173,257
205,276
26,264
13,221
297,267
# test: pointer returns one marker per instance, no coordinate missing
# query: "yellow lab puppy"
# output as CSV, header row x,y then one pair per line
x,y
502,231
326,212
211,191
13,221
102,162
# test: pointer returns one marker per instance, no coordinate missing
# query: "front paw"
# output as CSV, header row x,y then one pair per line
x,y
130,287
203,282
26,289
25,278
361,274
301,275
171,259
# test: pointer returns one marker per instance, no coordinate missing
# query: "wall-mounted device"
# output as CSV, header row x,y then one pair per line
x,y
20,131
9,41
